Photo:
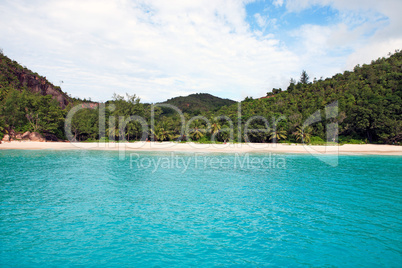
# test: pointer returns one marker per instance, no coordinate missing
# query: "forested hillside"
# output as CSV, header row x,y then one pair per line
x,y
28,102
14,76
200,102
369,101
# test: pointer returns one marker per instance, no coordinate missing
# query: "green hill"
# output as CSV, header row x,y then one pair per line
x,y
369,105
29,102
369,102
15,76
200,102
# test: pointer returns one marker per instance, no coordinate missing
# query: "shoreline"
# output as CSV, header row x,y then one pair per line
x,y
347,149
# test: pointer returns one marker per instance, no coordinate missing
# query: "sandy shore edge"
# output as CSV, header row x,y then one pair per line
x,y
347,149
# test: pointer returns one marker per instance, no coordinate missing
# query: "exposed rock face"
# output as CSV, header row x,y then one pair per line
x,y
31,136
6,137
12,71
25,136
42,86
35,136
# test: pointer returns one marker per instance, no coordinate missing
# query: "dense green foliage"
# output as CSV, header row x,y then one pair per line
x,y
22,110
368,104
12,74
197,103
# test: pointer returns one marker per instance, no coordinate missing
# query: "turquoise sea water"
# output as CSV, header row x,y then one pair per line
x,y
89,208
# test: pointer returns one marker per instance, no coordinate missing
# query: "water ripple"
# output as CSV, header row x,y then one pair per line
x,y
86,208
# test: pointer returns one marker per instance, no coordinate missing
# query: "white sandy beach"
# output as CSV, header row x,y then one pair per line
x,y
348,149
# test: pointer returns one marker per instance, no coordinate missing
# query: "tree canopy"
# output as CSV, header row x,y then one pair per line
x,y
368,109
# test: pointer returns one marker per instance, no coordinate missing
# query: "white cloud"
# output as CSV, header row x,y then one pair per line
x,y
160,49
278,3
369,28
152,48
263,22
260,20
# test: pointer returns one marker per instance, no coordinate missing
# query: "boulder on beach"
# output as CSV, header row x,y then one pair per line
x,y
6,137
35,136
25,136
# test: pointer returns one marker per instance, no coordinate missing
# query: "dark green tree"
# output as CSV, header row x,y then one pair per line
x,y
304,78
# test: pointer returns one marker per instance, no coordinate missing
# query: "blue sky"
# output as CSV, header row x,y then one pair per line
x,y
284,20
161,49
268,18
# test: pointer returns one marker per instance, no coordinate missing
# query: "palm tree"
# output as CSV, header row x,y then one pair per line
x,y
215,127
162,131
197,132
154,134
113,132
164,134
303,134
277,134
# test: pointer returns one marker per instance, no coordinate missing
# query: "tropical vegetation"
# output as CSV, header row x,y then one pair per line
x,y
359,106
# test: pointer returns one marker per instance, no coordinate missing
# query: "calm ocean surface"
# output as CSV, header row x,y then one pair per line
x,y
90,208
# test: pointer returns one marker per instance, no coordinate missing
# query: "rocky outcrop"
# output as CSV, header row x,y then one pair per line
x,y
40,85
27,136
6,138
11,71
35,136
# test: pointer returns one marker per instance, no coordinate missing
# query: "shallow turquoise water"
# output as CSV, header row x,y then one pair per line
x,y
87,208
